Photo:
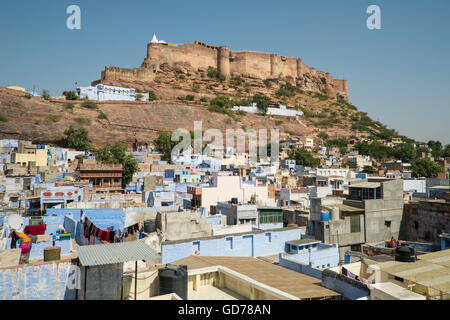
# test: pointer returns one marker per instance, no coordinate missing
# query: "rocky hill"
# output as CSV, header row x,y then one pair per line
x,y
45,121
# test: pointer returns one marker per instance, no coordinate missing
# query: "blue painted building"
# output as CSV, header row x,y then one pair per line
x,y
309,256
252,244
445,241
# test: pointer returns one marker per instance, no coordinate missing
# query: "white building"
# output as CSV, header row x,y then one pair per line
x,y
102,92
281,111
415,185
224,187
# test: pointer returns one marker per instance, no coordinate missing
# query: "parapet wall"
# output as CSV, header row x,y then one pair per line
x,y
200,56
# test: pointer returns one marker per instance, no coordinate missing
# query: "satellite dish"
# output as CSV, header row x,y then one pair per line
x,y
15,221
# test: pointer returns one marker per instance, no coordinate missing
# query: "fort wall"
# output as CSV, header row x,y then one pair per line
x,y
200,56
252,64
136,74
195,55
223,58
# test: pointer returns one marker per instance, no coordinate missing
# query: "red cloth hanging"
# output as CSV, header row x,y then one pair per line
x,y
36,230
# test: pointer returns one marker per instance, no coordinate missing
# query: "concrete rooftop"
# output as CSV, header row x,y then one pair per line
x,y
291,282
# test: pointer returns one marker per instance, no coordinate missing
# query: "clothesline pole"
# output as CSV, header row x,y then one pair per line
x,y
85,280
135,281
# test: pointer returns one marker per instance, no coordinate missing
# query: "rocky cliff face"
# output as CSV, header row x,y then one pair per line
x,y
44,121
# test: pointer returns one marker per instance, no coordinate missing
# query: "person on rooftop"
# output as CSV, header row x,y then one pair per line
x,y
393,243
14,237
25,246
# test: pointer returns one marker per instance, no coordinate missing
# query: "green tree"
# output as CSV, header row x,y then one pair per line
x,y
375,150
221,101
303,157
46,94
405,152
352,164
116,154
446,152
436,148
164,144
104,155
426,168
129,167
368,169
78,138
323,135
71,95
262,102
421,149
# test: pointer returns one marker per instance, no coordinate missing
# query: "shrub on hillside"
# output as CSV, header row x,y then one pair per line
x,y
195,87
89,105
152,96
267,83
71,95
46,94
53,118
68,106
102,116
83,121
237,81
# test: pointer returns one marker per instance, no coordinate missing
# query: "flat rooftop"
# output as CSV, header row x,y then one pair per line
x,y
214,293
291,282
430,270
303,241
366,185
344,207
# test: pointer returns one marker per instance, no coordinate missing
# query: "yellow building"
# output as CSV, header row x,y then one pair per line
x,y
16,88
39,157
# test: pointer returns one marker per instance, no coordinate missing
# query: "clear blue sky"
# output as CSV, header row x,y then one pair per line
x,y
399,75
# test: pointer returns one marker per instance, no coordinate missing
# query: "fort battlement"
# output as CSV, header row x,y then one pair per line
x,y
200,56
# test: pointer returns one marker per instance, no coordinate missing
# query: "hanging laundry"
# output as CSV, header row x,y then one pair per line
x,y
111,236
36,230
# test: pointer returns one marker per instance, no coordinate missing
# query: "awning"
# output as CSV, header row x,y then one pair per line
x,y
103,254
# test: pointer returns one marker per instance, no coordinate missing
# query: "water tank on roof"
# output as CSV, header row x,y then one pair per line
x,y
173,279
405,253
234,200
149,226
335,211
325,216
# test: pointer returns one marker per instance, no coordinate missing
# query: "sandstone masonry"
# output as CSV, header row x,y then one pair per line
x,y
199,56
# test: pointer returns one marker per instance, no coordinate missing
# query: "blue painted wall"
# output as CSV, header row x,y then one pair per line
x,y
41,282
302,268
102,218
243,245
349,288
